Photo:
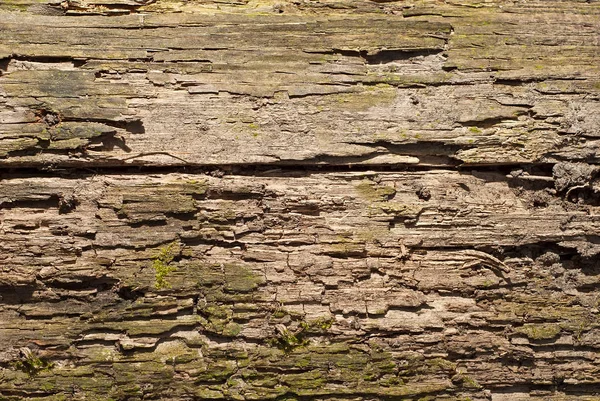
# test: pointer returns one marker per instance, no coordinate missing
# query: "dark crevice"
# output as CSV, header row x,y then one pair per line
x,y
449,68
195,241
529,250
94,342
133,126
66,315
107,142
17,295
102,330
383,56
77,62
145,223
489,122
389,56
4,65
51,202
360,395
78,169
130,294
569,389
182,216
130,315
72,9
418,148
86,283
512,82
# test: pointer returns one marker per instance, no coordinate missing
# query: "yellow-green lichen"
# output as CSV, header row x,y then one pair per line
x,y
232,329
396,209
373,234
378,95
162,265
241,279
321,324
345,249
439,364
466,381
32,364
287,341
374,192
540,331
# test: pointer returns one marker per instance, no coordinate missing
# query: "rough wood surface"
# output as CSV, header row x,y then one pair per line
x,y
299,200
432,84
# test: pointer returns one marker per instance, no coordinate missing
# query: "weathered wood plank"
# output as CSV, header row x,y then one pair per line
x,y
335,200
412,264
234,87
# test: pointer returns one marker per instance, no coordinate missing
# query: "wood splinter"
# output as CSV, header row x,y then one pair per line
x,y
484,259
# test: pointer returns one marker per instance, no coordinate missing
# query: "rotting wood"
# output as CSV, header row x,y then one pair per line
x,y
307,200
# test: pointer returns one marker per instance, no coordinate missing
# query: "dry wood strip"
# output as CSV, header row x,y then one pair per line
x,y
322,285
